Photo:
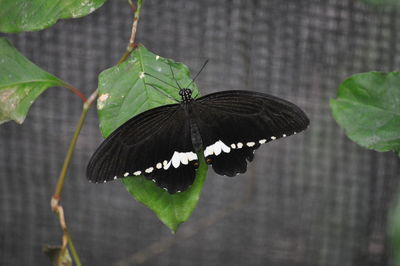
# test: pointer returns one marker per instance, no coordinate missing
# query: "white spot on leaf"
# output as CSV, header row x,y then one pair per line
x,y
102,100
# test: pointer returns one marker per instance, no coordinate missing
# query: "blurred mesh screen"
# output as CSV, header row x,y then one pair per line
x,y
312,199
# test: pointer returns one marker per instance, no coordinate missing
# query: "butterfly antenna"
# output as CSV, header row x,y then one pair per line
x,y
162,92
174,77
198,73
150,75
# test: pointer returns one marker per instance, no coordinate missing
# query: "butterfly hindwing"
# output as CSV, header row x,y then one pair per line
x,y
233,124
155,143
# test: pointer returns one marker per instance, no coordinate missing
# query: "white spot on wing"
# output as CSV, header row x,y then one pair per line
x,y
115,177
126,174
157,57
233,146
141,75
176,160
273,137
240,145
262,141
159,166
225,148
137,173
184,158
216,149
166,164
192,156
149,170
250,144
284,135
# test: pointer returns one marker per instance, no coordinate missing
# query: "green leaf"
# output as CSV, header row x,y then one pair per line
x,y
382,3
125,91
30,15
174,209
21,82
368,108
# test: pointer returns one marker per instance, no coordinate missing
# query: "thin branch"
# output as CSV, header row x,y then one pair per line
x,y
73,251
75,91
131,46
55,200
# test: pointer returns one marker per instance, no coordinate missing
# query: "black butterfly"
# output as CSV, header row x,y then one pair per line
x,y
162,143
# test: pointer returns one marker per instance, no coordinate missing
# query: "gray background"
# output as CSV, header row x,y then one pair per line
x,y
316,198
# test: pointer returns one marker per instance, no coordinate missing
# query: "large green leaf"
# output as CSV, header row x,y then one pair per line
x,y
124,91
368,108
21,82
30,15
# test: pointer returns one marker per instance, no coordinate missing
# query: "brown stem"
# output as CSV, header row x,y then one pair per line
x,y
131,46
75,91
55,200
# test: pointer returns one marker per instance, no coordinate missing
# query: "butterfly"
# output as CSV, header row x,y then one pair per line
x,y
163,143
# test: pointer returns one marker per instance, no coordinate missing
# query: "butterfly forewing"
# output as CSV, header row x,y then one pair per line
x,y
233,124
155,144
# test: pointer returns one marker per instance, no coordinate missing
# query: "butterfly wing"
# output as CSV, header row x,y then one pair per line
x,y
233,124
155,143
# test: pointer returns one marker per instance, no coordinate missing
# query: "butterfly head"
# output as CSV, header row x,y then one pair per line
x,y
186,95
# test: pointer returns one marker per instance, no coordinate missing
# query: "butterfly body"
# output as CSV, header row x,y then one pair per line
x,y
164,143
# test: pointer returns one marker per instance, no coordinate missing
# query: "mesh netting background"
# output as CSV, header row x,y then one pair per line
x,y
315,198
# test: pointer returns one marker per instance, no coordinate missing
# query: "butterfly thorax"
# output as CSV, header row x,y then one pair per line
x,y
186,95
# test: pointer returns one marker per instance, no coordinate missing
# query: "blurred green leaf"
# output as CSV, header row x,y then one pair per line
x,y
394,231
368,108
382,3
30,15
21,82
125,91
